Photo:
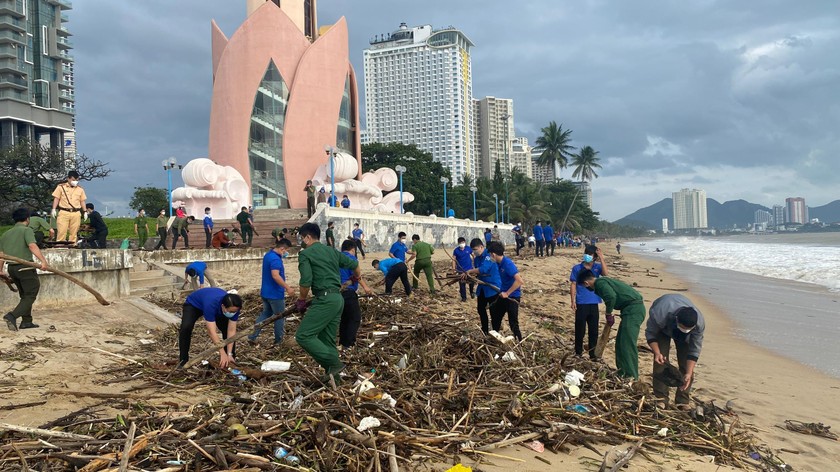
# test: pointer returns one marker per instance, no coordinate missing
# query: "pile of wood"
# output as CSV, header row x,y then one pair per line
x,y
436,387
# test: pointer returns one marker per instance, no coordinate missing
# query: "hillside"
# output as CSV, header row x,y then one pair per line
x,y
721,215
828,213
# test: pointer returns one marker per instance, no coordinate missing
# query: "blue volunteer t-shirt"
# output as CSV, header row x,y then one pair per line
x,y
488,272
398,249
386,264
208,222
357,233
507,271
538,233
209,301
583,296
464,261
548,232
345,203
488,236
200,267
270,289
480,258
347,274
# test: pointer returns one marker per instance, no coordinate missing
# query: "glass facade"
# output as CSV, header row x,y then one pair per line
x,y
265,150
345,137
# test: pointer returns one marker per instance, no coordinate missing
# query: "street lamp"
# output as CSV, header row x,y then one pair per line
x,y
330,150
496,216
168,165
473,190
503,210
444,181
401,169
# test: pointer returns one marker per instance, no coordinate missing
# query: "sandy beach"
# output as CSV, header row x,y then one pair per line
x,y
764,388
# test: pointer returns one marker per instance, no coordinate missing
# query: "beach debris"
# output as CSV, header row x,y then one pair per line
x,y
815,429
275,366
536,446
573,378
662,432
459,468
368,422
669,375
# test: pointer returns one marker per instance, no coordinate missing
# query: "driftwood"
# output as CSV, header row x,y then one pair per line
x,y
8,281
65,275
603,340
42,432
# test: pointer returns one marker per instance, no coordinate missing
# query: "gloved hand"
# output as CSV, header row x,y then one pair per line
x,y
86,216
300,305
610,320
54,212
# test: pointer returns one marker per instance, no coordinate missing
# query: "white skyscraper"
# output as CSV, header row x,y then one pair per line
x,y
495,132
418,90
690,209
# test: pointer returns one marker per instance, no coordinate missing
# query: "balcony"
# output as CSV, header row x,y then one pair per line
x,y
67,96
7,64
65,56
14,81
11,36
11,7
65,4
63,42
65,83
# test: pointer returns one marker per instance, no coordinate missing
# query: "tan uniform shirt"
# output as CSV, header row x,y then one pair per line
x,y
69,197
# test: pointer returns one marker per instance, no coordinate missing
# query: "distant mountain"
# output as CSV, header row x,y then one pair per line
x,y
720,215
828,213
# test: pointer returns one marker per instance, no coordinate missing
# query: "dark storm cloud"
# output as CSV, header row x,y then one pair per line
x,y
671,94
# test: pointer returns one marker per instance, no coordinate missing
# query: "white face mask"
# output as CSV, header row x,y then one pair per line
x,y
142,213
74,183
462,245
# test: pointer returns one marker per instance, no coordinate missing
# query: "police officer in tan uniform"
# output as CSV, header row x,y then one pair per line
x,y
68,204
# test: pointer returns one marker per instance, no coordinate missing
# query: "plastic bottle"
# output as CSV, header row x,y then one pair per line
x,y
280,452
296,404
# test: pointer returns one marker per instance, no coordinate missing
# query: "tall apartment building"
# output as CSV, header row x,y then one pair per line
x,y
495,133
37,99
585,192
418,90
762,217
690,209
520,156
779,215
544,174
796,211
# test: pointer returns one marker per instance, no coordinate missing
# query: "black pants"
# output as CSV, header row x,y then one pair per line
x,y
360,247
310,206
184,234
462,286
549,246
483,303
497,313
247,234
162,235
28,286
99,239
208,237
660,389
189,317
351,319
520,243
540,247
586,316
397,271
39,239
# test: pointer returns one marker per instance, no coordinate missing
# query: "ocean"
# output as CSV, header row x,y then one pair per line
x,y
782,291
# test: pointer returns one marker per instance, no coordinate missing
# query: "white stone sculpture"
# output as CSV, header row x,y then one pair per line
x,y
207,184
365,193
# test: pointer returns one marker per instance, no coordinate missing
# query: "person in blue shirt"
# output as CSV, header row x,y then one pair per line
x,y
399,249
345,202
463,262
332,200
585,302
450,213
359,239
539,239
548,234
220,310
488,235
393,269
273,290
351,316
208,228
510,295
194,274
487,271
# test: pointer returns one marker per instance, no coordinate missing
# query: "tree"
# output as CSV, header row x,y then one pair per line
x,y
421,178
30,172
585,162
555,145
151,199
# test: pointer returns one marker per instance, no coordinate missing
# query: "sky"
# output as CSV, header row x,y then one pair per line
x,y
741,99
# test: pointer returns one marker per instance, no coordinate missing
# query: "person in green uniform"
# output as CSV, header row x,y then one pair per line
x,y
310,198
422,252
39,225
141,229
319,274
246,226
620,296
331,234
160,229
181,227
20,242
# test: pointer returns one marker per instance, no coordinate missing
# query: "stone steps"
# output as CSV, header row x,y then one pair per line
x,y
144,281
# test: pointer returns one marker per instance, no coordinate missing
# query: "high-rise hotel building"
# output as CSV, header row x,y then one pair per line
x,y
796,210
418,90
690,209
37,98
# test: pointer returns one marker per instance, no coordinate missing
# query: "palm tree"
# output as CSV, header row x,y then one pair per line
x,y
555,145
585,163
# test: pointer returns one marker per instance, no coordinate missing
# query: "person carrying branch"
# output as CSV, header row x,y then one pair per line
x,y
194,274
584,302
220,310
273,290
511,294
319,267
462,263
617,295
20,242
393,269
674,317
487,271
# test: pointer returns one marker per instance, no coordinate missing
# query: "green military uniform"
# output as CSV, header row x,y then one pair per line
x,y
318,266
16,243
142,230
39,226
245,226
330,237
620,296
423,255
161,231
180,228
